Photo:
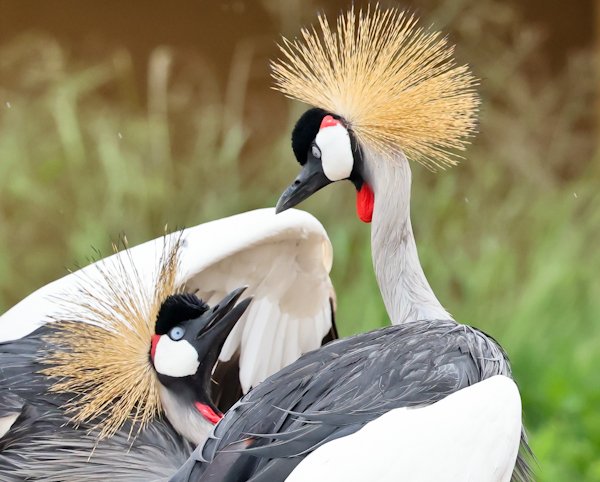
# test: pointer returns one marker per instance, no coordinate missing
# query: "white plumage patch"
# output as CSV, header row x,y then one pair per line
x,y
336,152
175,358
470,436
6,422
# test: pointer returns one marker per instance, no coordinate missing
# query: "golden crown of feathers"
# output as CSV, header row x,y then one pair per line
x,y
101,342
396,84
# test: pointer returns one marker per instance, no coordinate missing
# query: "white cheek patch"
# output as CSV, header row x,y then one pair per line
x,y
175,358
336,152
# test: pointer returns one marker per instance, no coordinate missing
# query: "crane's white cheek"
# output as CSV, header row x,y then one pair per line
x,y
336,152
175,358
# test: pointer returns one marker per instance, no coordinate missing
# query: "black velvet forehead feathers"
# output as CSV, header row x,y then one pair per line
x,y
305,130
178,308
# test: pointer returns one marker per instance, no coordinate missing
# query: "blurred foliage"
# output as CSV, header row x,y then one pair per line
x,y
508,239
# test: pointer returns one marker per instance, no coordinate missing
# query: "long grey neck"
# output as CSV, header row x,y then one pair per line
x,y
184,417
404,287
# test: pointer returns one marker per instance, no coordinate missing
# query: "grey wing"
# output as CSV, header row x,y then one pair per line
x,y
334,391
73,456
42,445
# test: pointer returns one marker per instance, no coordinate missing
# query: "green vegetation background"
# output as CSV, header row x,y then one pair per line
x,y
509,239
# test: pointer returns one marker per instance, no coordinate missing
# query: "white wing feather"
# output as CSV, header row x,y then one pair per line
x,y
6,422
284,260
470,436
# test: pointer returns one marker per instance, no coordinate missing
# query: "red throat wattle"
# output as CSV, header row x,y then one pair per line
x,y
365,200
208,413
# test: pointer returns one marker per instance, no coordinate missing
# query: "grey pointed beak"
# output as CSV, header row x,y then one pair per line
x,y
212,330
309,181
214,326
224,315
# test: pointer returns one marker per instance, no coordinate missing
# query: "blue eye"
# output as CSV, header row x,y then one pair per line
x,y
176,333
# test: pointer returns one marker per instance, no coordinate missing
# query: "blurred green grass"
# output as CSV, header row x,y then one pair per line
x,y
509,239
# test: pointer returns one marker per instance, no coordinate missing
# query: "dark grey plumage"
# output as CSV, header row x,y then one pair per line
x,y
42,445
334,391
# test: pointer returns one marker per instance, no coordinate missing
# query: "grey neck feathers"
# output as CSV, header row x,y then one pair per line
x,y
184,417
404,287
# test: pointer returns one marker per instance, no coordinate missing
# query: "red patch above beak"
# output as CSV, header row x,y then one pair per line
x,y
329,121
208,413
365,201
155,339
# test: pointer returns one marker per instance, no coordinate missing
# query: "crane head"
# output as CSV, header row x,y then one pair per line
x,y
189,336
328,152
127,333
391,90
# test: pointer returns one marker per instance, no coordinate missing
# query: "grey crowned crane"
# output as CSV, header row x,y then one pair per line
x,y
90,363
427,399
58,429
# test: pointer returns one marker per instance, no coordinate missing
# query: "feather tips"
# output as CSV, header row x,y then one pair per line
x,y
103,341
396,84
